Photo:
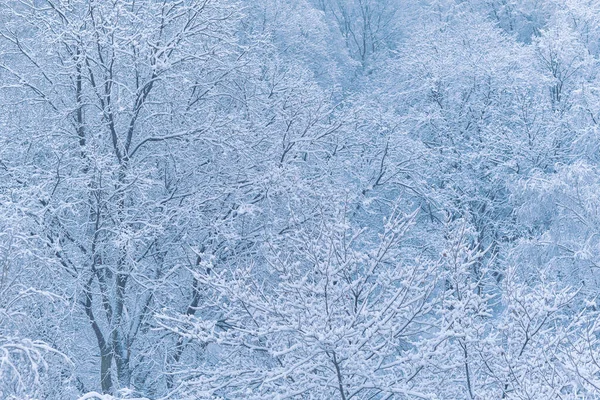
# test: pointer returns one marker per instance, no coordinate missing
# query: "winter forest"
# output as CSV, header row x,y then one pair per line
x,y
299,199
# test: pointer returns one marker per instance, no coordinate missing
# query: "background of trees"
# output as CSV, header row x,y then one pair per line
x,y
316,199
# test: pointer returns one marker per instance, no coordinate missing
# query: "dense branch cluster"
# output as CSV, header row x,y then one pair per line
x,y
308,199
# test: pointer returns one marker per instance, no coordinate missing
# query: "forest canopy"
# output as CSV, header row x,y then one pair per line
x,y
299,199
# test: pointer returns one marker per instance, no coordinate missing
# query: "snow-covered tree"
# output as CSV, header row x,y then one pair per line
x,y
313,199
